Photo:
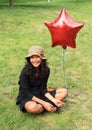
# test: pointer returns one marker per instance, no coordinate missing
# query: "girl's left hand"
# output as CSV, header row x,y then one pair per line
x,y
58,103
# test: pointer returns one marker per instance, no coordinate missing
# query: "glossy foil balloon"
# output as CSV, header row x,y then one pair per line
x,y
64,30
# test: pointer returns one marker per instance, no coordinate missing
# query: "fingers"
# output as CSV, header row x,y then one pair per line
x,y
53,109
59,103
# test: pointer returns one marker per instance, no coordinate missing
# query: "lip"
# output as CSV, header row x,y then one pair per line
x,y
36,64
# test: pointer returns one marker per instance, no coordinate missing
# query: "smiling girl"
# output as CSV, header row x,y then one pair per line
x,y
34,97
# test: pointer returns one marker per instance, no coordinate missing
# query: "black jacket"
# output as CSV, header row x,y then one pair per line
x,y
29,87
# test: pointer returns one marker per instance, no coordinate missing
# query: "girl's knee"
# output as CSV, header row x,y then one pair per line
x,y
29,106
33,107
61,93
65,92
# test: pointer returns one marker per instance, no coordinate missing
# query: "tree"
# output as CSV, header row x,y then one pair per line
x,y
11,3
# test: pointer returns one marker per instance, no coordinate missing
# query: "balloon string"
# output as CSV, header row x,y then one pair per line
x,y
64,54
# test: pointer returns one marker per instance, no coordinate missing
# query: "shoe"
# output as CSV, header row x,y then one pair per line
x,y
57,110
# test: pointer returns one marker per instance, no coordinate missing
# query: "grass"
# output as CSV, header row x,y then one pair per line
x,y
23,26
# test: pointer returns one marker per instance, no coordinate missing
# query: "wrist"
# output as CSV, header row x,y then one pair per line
x,y
43,103
53,99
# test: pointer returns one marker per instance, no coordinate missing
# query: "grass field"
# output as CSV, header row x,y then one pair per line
x,y
23,26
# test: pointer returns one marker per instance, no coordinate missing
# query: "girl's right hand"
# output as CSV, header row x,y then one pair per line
x,y
49,107
58,103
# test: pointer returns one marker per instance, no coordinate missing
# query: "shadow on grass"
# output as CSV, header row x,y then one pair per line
x,y
43,5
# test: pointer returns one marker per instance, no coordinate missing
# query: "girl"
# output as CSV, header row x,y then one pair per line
x,y
34,97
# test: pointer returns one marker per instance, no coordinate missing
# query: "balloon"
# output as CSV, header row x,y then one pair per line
x,y
64,30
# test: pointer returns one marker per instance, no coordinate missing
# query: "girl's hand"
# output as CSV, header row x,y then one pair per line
x,y
49,107
57,102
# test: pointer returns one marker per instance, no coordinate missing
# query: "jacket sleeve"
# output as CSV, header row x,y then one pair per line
x,y
24,85
44,84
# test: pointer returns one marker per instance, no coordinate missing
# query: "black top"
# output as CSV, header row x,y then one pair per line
x,y
29,87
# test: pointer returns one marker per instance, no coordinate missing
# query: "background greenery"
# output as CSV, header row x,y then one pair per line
x,y
23,26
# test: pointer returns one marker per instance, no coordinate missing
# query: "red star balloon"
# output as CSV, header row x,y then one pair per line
x,y
64,30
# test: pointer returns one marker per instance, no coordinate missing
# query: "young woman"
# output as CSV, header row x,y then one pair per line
x,y
34,97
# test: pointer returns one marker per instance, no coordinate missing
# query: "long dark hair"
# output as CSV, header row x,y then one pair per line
x,y
43,70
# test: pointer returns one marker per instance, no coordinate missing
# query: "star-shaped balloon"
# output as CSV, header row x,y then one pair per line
x,y
64,30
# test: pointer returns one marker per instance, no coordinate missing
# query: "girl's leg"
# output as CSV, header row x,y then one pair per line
x,y
61,93
33,107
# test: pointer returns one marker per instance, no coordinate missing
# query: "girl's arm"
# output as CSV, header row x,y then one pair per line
x,y
25,85
57,102
49,107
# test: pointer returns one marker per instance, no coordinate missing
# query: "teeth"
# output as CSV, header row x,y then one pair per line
x,y
35,63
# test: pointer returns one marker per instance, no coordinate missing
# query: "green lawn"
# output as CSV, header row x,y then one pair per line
x,y
23,26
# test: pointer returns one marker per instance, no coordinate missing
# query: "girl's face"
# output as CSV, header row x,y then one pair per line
x,y
35,61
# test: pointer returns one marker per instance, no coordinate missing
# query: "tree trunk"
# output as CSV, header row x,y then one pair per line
x,y
11,3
